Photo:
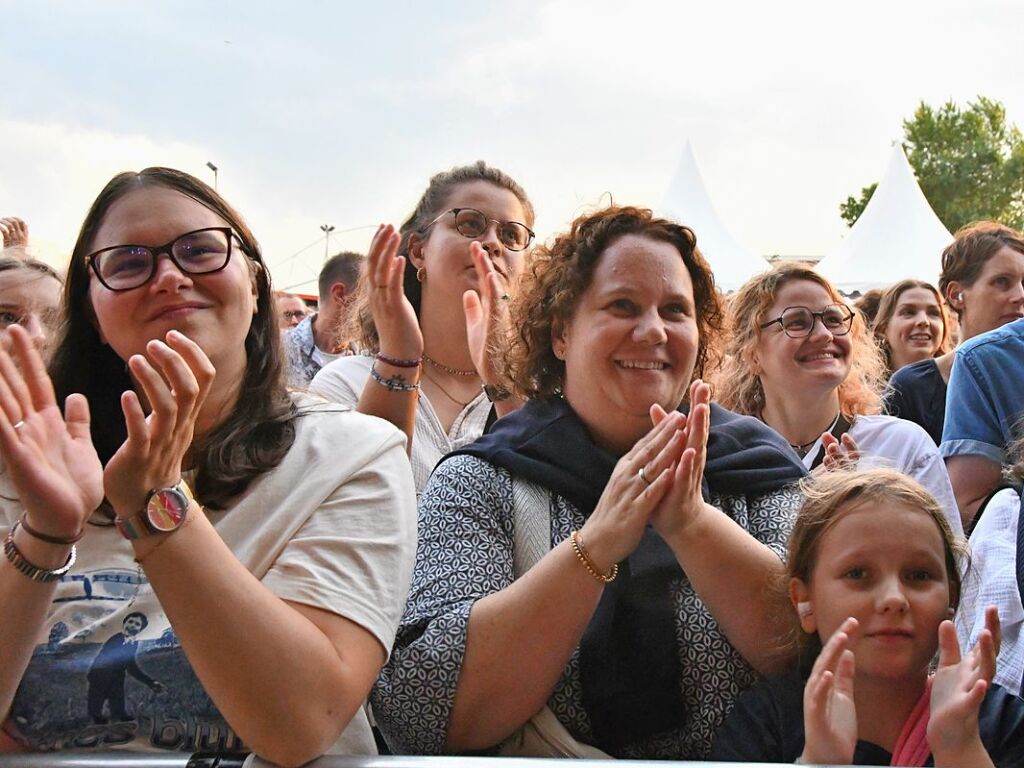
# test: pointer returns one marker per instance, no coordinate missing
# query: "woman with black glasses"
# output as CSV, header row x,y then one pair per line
x,y
431,314
191,561
801,360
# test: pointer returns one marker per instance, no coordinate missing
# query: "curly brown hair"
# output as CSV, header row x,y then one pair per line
x,y
561,272
738,388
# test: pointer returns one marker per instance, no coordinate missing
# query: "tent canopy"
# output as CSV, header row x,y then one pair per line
x,y
897,236
688,202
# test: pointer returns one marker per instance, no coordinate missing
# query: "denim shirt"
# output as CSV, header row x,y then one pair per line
x,y
985,399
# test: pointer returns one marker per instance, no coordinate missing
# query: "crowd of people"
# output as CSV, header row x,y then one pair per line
x,y
494,496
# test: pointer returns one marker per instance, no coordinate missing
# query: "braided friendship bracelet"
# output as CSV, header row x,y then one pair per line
x,y
398,362
581,554
46,537
34,572
394,383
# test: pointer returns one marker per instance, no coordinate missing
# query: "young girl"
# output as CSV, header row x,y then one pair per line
x,y
873,576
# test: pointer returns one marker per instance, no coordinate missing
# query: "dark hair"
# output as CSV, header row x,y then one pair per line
x,y
344,267
258,432
430,206
868,303
560,273
827,494
972,247
136,615
887,308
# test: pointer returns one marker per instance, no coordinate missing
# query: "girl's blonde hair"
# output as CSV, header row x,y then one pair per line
x,y
827,495
738,388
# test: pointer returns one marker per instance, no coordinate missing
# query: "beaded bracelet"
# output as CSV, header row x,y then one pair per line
x,y
34,572
581,554
398,362
393,384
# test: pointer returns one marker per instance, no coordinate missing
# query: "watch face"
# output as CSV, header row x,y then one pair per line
x,y
166,510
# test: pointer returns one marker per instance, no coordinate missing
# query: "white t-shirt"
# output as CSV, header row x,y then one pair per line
x,y
332,526
342,382
886,441
992,580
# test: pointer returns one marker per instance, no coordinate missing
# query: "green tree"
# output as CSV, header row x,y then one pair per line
x,y
969,163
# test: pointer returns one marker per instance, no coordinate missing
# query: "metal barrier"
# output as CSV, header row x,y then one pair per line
x,y
182,760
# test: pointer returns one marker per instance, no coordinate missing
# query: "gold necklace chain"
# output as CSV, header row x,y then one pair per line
x,y
448,394
448,369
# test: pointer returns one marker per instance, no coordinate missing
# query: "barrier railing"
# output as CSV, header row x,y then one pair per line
x,y
183,760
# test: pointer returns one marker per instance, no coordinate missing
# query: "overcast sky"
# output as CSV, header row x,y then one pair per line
x,y
338,113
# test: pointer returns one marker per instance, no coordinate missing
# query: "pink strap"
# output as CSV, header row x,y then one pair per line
x,y
912,746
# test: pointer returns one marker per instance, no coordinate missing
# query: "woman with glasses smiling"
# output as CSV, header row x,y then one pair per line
x,y
173,515
431,314
802,361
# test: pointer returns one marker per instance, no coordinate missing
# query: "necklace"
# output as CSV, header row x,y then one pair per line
x,y
802,448
449,370
446,393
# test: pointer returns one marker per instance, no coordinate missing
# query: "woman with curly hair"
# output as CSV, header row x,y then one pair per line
x,y
802,361
568,594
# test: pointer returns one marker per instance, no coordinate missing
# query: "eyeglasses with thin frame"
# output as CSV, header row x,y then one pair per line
x,y
125,267
469,222
798,322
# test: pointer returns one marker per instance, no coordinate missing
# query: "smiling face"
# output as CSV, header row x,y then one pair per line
x,y
215,310
790,367
444,252
915,330
995,298
632,340
885,565
31,299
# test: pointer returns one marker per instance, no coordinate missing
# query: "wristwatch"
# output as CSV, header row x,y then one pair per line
x,y
165,511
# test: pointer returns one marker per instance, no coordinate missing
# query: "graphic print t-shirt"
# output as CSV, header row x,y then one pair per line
x,y
333,526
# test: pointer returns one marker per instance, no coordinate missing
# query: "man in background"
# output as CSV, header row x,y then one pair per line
x,y
291,310
319,339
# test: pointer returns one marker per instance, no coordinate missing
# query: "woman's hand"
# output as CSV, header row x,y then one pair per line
x,y
175,378
614,530
398,329
684,502
486,317
830,717
51,458
840,454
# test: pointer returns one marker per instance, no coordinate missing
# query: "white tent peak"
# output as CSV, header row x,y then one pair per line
x,y
687,201
897,236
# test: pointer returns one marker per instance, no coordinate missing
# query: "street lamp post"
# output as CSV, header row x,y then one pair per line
x,y
213,168
326,229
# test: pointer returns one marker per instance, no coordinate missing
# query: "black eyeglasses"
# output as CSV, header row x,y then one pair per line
x,y
469,222
124,267
798,322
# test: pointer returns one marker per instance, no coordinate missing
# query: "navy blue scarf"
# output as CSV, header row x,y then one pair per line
x,y
629,658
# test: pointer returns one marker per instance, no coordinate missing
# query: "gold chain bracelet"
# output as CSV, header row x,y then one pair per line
x,y
583,557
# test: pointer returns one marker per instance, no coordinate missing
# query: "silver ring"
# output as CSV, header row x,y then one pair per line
x,y
643,476
19,425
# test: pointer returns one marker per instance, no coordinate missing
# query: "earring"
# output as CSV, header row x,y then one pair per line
x,y
421,274
804,610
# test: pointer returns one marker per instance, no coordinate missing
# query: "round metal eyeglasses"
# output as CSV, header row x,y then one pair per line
x,y
469,222
798,322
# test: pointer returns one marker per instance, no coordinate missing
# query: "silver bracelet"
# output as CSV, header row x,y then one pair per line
x,y
34,572
396,383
